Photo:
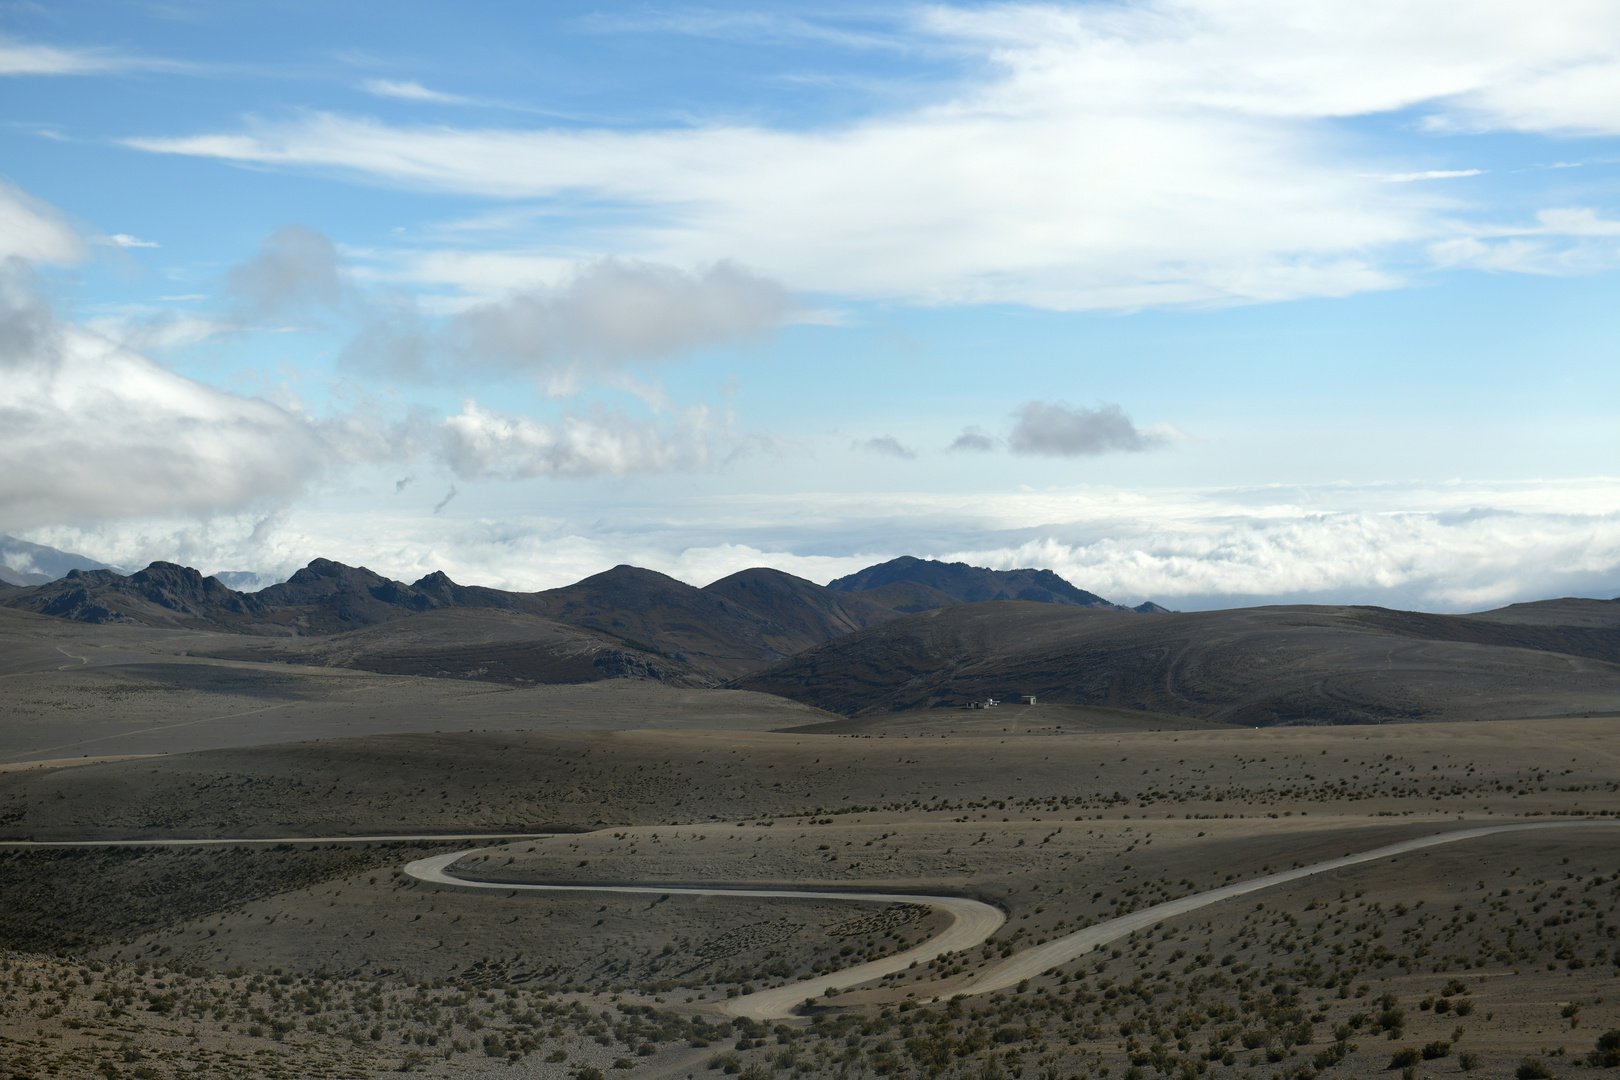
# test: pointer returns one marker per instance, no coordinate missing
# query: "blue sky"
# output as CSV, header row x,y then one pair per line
x,y
1208,303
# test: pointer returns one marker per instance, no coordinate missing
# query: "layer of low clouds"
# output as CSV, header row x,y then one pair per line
x,y
1450,547
1058,429
1171,152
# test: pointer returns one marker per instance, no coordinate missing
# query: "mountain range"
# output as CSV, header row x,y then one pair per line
x,y
729,628
903,635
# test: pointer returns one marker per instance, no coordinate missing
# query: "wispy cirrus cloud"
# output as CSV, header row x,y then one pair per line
x,y
26,58
1169,152
410,90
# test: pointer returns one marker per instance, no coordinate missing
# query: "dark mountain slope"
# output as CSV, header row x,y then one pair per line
x,y
971,584
487,644
908,597
328,597
161,595
325,597
739,624
1254,666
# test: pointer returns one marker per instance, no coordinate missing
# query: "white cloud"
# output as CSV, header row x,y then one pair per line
x,y
124,240
21,58
481,443
34,231
1109,156
1428,174
1561,240
409,91
146,331
91,431
1445,547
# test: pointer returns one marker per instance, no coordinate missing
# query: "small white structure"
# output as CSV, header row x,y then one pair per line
x,y
1026,699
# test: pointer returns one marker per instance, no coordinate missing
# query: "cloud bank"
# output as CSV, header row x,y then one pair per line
x,y
1454,547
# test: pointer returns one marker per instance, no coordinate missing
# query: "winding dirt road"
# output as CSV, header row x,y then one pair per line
x,y
973,921
976,921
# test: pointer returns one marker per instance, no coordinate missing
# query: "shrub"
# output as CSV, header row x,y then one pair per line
x,y
623,1063
1533,1069
1468,1062
1436,1049
1607,1054
1406,1055
590,1072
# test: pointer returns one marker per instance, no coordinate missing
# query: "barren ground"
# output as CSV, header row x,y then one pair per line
x,y
258,960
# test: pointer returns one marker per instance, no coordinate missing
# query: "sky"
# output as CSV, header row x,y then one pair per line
x,y
1206,303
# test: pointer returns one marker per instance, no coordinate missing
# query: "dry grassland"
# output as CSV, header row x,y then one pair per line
x,y
1465,959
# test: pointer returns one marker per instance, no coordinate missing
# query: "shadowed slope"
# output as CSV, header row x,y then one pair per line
x,y
972,584
736,625
1253,666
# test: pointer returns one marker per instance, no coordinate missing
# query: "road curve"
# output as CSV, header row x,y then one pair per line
x,y
973,922
1032,962
976,921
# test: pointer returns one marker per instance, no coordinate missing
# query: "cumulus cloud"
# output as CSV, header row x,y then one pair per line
x,y
1166,152
294,273
1058,429
887,446
91,431
973,440
482,443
